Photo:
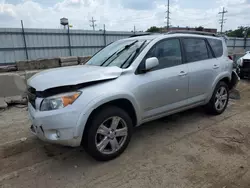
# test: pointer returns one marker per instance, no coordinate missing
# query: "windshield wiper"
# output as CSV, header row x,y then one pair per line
x,y
133,54
127,47
118,52
108,59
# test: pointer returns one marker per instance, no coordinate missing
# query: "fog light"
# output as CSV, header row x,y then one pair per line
x,y
57,134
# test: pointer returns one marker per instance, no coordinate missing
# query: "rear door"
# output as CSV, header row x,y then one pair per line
x,y
203,68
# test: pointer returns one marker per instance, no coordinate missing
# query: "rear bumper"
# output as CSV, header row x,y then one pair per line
x,y
234,80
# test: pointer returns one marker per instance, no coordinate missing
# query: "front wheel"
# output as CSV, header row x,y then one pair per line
x,y
108,134
219,100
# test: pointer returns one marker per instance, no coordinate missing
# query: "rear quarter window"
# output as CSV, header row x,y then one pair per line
x,y
216,46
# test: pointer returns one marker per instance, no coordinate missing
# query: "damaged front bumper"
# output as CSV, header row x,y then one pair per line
x,y
56,127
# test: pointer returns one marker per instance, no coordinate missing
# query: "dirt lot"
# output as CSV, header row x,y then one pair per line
x,y
189,149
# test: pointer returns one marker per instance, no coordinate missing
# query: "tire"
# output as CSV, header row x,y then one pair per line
x,y
97,136
212,107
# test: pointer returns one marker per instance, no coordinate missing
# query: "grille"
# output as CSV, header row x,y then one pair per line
x,y
246,63
32,96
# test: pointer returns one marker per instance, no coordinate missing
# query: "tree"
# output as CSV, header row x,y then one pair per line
x,y
200,28
239,32
154,29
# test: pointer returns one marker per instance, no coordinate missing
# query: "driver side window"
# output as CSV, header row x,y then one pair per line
x,y
168,53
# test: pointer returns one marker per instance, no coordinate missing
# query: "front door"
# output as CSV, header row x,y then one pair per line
x,y
165,87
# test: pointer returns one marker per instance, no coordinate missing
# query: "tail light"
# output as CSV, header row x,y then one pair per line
x,y
230,57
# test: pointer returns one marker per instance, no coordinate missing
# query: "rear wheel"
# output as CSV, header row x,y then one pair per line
x,y
108,133
219,100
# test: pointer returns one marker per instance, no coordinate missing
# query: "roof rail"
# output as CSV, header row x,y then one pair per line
x,y
193,32
144,34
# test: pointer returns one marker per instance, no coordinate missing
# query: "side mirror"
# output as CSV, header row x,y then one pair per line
x,y
150,63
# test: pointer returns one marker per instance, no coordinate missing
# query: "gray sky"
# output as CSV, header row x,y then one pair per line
x,y
123,14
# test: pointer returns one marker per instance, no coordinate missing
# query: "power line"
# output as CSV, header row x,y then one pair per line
x,y
222,20
92,21
168,17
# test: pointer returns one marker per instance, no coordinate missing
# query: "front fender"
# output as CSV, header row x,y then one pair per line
x,y
99,101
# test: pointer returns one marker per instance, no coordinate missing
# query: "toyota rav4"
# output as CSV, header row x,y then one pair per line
x,y
128,83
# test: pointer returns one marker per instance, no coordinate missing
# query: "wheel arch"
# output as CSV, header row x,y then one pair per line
x,y
122,103
226,77
125,102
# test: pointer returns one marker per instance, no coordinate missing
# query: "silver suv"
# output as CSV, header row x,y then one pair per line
x,y
126,84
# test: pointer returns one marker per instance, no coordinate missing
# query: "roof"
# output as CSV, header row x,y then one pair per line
x,y
194,32
168,35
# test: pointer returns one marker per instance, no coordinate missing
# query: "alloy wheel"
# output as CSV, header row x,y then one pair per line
x,y
111,135
221,98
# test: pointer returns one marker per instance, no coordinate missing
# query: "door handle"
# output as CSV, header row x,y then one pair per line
x,y
216,66
182,73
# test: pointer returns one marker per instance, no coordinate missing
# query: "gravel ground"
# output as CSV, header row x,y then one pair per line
x,y
188,149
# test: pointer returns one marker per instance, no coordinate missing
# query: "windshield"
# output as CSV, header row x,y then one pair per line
x,y
120,53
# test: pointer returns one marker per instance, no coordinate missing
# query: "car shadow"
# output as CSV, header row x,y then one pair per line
x,y
148,140
168,126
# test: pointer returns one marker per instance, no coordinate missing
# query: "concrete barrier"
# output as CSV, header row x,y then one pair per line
x,y
12,84
8,68
38,64
16,100
3,104
68,59
12,89
83,59
72,63
46,63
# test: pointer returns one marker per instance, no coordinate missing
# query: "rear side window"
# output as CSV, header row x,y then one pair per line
x,y
216,46
196,49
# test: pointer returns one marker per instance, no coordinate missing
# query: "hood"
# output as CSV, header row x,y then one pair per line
x,y
247,56
72,75
240,60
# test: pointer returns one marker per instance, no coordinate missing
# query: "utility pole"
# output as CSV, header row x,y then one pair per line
x,y
24,40
104,35
168,17
92,21
222,20
134,30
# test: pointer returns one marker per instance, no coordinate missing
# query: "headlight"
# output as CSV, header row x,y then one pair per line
x,y
59,101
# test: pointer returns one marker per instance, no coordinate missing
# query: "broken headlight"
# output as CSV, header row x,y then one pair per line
x,y
59,101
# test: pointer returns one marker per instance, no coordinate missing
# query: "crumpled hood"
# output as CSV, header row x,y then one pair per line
x,y
72,75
